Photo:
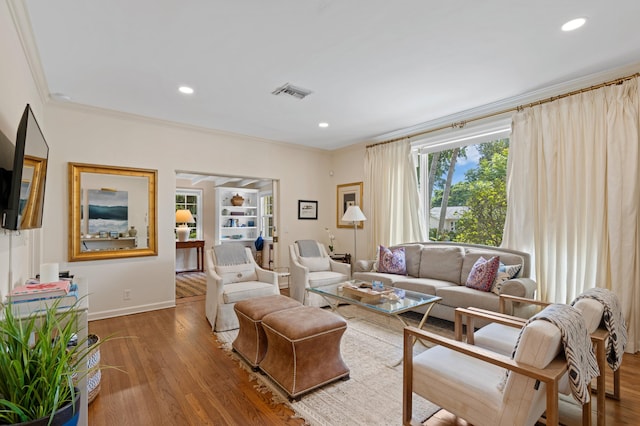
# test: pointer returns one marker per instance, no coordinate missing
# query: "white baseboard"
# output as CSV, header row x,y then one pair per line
x,y
130,310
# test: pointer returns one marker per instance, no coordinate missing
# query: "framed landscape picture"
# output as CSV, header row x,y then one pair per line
x,y
307,209
348,194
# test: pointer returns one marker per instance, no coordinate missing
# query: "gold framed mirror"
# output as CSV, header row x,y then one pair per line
x,y
112,212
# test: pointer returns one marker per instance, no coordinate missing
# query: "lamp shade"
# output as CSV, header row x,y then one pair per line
x,y
184,216
353,214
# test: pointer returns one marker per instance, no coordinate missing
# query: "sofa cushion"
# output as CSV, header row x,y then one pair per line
x,y
412,254
392,261
483,273
316,263
320,278
388,280
459,296
473,254
505,273
237,273
422,285
441,263
236,292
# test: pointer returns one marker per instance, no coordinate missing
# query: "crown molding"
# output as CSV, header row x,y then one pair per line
x,y
22,23
515,101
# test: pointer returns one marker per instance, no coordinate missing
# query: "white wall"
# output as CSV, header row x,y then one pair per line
x,y
18,253
87,135
348,167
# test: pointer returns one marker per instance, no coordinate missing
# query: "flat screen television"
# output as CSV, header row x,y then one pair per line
x,y
22,191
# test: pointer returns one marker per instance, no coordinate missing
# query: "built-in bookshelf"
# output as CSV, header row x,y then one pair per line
x,y
238,223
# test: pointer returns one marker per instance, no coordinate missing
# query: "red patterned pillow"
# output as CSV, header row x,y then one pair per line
x,y
483,273
392,261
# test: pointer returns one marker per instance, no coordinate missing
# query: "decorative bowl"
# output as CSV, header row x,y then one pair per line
x,y
237,200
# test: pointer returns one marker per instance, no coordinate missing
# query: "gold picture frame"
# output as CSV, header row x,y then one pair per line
x,y
348,194
112,212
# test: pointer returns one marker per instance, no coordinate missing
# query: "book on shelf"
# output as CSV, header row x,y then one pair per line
x,y
36,291
26,307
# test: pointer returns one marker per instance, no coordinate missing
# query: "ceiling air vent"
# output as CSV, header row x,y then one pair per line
x,y
293,91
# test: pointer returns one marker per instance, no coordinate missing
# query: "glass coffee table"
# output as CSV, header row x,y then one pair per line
x,y
389,303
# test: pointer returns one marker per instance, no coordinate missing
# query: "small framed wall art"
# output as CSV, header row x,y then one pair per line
x,y
307,209
348,194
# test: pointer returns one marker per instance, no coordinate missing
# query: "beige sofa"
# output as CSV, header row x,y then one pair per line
x,y
442,268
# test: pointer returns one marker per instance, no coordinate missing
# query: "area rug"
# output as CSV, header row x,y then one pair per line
x,y
191,284
371,347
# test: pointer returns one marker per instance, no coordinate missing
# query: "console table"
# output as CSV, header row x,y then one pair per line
x,y
199,246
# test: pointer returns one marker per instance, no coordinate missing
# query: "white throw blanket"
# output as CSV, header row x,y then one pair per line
x,y
581,359
613,321
230,254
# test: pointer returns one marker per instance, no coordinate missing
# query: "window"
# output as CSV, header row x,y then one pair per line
x,y
191,199
468,178
266,214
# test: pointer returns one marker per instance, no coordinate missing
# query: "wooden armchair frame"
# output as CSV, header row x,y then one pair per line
x,y
550,375
598,339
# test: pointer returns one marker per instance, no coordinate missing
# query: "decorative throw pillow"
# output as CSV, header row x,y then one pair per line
x,y
505,273
237,273
376,261
483,273
392,261
316,264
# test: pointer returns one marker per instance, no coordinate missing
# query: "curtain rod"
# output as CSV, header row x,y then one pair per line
x,y
461,124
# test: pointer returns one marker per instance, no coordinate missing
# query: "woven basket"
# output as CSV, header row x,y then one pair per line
x,y
93,368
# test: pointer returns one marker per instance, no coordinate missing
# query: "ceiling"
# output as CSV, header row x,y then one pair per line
x,y
374,67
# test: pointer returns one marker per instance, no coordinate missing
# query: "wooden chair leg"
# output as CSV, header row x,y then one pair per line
x,y
616,386
586,411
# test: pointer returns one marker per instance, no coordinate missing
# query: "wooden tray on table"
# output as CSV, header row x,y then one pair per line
x,y
364,294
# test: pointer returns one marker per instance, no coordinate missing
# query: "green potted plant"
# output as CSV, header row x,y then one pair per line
x,y
38,365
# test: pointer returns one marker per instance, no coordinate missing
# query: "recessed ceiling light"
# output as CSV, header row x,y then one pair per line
x,y
323,125
186,90
574,24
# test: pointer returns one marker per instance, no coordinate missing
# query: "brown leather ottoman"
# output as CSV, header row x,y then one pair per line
x,y
303,350
251,342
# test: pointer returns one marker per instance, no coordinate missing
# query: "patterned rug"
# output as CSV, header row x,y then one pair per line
x,y
371,347
191,284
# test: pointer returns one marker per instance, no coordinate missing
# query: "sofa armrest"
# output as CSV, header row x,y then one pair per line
x,y
363,266
521,287
214,282
267,276
343,268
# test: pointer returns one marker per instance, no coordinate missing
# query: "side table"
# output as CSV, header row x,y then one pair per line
x,y
344,258
199,246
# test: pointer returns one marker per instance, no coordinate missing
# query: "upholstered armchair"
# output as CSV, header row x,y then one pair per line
x,y
311,266
502,333
471,382
233,275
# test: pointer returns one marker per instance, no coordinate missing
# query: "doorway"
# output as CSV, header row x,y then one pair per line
x,y
205,195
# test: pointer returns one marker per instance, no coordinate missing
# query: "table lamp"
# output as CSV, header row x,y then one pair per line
x,y
183,217
355,215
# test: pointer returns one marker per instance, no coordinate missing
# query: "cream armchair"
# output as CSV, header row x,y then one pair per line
x,y
502,333
471,383
313,271
233,275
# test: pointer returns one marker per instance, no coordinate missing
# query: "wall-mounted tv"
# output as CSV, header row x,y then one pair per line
x,y
22,186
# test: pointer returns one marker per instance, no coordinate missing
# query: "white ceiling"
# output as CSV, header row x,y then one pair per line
x,y
374,66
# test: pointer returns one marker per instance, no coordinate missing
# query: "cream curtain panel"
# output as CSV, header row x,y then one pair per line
x,y
573,191
391,199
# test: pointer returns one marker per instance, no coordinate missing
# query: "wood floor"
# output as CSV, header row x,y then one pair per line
x,y
175,374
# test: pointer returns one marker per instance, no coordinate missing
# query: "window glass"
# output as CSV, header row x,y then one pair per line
x,y
191,199
266,214
465,194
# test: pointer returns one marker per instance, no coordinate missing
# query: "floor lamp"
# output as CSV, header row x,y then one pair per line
x,y
355,215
